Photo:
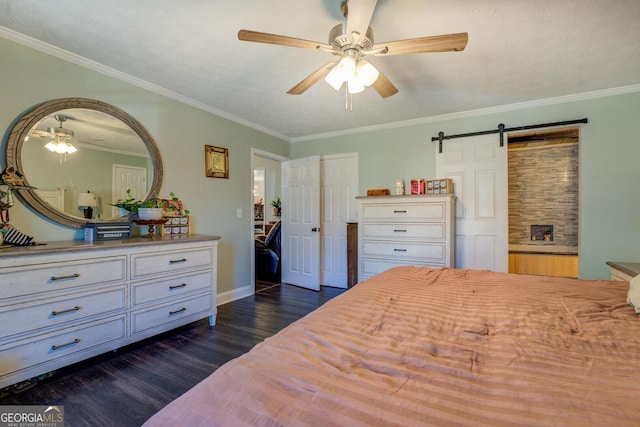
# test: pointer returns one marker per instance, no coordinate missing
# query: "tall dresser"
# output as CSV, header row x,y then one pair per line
x,y
67,301
405,230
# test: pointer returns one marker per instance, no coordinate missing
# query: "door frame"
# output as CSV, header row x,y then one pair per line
x,y
252,255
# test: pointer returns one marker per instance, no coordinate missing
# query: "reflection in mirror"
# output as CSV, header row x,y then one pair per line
x,y
70,147
109,157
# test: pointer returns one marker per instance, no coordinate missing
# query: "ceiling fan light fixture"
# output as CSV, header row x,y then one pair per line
x,y
367,73
60,147
355,85
347,68
334,78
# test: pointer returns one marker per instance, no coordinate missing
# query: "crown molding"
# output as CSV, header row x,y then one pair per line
x,y
111,72
474,113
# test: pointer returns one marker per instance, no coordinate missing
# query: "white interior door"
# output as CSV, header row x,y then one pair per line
x,y
301,222
339,183
478,167
128,177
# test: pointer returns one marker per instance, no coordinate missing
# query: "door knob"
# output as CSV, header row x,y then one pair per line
x,y
315,229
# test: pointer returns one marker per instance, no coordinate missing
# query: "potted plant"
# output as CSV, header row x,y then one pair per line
x,y
150,209
277,206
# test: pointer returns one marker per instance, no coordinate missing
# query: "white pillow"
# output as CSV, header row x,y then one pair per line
x,y
633,296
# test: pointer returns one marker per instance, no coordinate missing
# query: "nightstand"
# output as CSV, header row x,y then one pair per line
x,y
623,270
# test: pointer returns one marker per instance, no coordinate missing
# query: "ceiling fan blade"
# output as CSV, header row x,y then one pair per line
x,y
258,37
37,133
359,13
384,87
312,79
443,43
122,128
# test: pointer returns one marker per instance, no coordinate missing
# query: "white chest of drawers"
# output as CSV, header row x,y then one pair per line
x,y
405,230
68,301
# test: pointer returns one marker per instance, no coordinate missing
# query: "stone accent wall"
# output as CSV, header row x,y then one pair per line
x,y
543,189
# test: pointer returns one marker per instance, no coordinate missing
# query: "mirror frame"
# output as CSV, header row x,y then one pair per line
x,y
32,117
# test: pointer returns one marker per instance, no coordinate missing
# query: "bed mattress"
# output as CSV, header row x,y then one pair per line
x,y
421,346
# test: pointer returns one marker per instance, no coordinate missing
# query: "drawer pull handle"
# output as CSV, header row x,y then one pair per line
x,y
399,231
69,310
71,276
400,250
177,261
399,211
58,347
171,313
184,285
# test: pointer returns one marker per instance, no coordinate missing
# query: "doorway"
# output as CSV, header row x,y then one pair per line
x,y
265,189
319,200
544,202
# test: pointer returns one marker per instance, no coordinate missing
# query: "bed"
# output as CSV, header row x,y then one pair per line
x,y
421,346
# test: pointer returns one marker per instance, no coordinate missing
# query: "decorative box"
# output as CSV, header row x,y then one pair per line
x,y
378,192
107,231
440,186
417,186
176,225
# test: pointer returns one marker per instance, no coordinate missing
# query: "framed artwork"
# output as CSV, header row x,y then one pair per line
x,y
216,161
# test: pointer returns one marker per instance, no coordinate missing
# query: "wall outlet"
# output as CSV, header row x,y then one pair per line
x,y
239,212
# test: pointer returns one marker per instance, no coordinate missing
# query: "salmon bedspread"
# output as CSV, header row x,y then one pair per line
x,y
421,346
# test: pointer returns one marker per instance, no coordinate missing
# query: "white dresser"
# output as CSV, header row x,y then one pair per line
x,y
405,230
68,301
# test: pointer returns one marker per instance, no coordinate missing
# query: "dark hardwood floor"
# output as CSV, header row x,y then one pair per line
x,y
126,387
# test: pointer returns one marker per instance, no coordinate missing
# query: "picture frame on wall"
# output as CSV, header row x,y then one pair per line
x,y
216,161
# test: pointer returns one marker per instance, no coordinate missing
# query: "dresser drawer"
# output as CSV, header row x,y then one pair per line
x,y
170,261
431,252
25,354
405,212
168,288
55,311
371,267
400,231
26,280
147,319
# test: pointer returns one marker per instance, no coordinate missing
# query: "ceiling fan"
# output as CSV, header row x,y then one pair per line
x,y
61,137
352,42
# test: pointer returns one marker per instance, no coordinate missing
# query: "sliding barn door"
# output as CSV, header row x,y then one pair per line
x,y
478,167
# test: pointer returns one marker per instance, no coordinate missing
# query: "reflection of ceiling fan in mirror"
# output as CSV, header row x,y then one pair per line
x,y
62,138
353,41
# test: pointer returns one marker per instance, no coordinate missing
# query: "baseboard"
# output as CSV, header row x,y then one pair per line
x,y
235,294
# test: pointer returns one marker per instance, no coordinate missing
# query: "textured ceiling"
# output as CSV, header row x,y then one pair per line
x,y
518,51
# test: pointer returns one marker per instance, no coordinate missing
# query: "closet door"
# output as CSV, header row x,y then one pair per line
x,y
478,167
301,222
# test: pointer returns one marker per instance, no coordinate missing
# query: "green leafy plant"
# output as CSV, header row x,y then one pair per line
x,y
131,204
277,206
276,203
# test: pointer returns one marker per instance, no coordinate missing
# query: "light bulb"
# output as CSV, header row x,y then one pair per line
x,y
334,79
367,73
355,85
347,68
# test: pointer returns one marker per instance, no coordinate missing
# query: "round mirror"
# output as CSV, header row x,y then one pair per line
x,y
81,155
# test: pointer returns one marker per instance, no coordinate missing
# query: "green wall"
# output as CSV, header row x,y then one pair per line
x,y
609,171
30,77
609,176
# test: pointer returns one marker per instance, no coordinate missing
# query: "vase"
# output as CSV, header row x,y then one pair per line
x,y
150,213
